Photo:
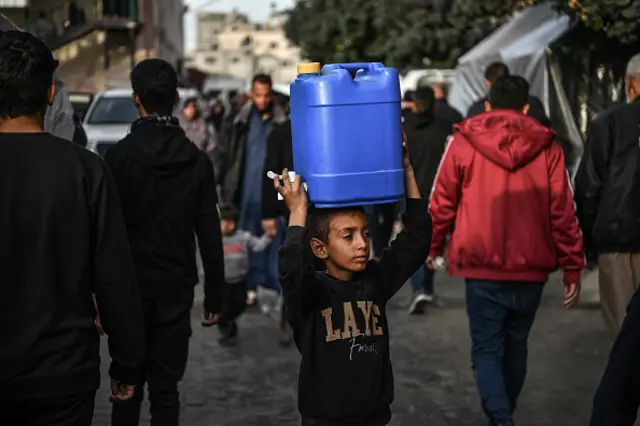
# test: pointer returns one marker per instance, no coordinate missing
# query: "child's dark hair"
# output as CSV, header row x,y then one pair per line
x,y
228,213
193,101
319,220
26,73
156,84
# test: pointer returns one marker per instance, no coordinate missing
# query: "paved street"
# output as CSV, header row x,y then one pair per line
x,y
255,384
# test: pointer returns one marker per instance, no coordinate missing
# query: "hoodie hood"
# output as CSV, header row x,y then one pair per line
x,y
161,145
509,139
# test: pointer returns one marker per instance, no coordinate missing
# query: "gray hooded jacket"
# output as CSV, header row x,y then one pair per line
x,y
58,119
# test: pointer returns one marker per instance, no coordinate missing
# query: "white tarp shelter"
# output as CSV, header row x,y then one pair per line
x,y
522,44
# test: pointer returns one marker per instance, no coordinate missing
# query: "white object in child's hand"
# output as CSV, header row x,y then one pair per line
x,y
438,262
292,175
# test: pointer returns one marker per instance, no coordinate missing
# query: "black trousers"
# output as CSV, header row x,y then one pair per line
x,y
234,302
168,329
74,410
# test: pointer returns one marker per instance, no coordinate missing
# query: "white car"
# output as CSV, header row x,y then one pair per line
x,y
109,118
111,113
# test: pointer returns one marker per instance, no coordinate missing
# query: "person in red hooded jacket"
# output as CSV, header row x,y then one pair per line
x,y
503,189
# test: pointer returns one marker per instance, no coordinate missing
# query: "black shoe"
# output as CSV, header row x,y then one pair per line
x,y
228,341
286,336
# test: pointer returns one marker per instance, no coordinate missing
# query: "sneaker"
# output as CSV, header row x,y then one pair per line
x,y
419,303
252,298
227,341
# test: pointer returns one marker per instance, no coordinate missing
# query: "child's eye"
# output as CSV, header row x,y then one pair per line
x,y
348,237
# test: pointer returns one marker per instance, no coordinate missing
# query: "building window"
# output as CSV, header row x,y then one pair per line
x,y
273,45
235,60
214,46
285,63
210,60
234,28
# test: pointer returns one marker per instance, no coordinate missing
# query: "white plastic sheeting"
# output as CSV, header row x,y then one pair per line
x,y
521,43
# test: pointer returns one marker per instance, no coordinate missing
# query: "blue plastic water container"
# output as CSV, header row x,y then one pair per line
x,y
347,133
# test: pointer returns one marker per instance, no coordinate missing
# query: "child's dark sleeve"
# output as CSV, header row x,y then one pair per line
x,y
409,250
618,396
297,274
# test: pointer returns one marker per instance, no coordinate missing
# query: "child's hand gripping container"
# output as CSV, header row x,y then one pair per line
x,y
347,133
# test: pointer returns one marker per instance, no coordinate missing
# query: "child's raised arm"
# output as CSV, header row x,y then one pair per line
x,y
411,247
295,265
258,244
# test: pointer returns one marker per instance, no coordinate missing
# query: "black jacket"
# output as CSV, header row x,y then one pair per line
x,y
426,140
617,398
536,110
607,183
62,239
235,141
168,191
447,113
341,328
279,156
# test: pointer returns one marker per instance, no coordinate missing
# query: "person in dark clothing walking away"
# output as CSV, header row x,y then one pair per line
x,y
617,398
497,70
237,244
503,190
408,104
339,316
58,120
608,209
167,188
63,239
242,183
426,139
443,110
279,156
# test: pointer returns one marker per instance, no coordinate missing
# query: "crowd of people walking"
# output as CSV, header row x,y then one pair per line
x,y
113,243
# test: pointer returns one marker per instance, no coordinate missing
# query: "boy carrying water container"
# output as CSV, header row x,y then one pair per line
x,y
339,315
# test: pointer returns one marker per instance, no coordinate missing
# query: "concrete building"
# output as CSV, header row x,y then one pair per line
x,y
115,36
229,44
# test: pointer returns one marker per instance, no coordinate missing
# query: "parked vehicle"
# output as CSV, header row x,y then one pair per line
x,y
109,118
111,113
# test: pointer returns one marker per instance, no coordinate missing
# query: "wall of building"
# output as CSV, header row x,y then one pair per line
x,y
229,44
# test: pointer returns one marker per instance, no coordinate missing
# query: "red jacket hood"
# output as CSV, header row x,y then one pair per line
x,y
508,138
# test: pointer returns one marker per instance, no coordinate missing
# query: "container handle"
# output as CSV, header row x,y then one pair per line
x,y
358,65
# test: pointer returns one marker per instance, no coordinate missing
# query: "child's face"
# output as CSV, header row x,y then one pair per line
x,y
348,246
227,226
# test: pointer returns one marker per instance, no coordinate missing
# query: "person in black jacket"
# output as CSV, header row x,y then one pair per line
x,y
608,208
63,239
426,139
339,316
279,156
443,110
167,188
246,150
499,69
408,104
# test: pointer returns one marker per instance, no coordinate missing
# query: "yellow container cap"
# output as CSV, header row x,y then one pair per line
x,y
309,68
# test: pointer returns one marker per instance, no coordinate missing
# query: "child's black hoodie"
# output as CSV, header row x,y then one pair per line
x,y
341,329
